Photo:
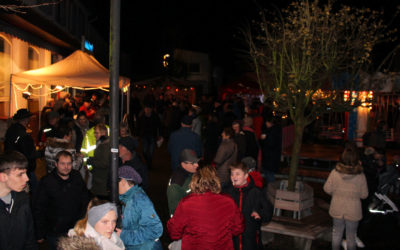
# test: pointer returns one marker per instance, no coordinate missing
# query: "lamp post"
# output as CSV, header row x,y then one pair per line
x,y
114,89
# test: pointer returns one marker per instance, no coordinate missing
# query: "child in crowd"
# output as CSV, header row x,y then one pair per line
x,y
251,163
253,204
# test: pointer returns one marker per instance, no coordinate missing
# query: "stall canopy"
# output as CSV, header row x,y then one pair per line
x,y
77,70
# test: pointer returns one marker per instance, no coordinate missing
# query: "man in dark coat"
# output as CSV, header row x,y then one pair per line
x,y
178,186
240,140
18,139
80,127
60,201
49,129
16,230
271,146
129,157
100,163
149,125
181,139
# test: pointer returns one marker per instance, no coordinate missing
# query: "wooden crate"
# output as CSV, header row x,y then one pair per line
x,y
296,201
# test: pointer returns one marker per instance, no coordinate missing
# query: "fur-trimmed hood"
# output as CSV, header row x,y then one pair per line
x,y
350,170
59,143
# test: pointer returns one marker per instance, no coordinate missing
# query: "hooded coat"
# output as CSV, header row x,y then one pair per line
x,y
251,199
178,187
347,185
114,243
141,226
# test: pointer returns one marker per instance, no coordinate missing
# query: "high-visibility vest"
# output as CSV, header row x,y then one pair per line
x,y
89,143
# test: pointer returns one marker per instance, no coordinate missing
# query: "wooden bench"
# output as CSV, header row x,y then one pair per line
x,y
305,230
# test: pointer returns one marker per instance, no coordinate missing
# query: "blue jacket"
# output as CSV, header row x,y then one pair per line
x,y
141,226
183,138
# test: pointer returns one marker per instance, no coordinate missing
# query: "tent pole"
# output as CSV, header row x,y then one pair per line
x,y
122,102
128,100
9,98
114,89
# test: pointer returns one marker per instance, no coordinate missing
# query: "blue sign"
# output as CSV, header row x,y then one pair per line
x,y
88,46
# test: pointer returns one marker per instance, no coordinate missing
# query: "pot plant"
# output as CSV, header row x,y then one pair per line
x,y
298,52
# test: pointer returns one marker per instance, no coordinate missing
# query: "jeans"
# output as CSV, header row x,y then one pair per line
x,y
337,233
269,175
148,144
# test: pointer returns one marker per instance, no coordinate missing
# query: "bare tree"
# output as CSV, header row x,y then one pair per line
x,y
299,51
22,7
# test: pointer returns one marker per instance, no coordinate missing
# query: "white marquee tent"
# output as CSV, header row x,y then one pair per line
x,y
79,71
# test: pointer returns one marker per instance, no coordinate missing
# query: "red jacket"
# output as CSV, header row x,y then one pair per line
x,y
206,221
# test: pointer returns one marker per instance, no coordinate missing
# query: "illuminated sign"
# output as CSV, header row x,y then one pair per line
x,y
88,46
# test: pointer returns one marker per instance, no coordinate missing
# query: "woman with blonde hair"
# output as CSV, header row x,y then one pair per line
x,y
206,219
347,185
99,223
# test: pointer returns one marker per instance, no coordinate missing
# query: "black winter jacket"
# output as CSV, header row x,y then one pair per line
x,y
272,148
16,230
250,198
17,139
140,167
58,204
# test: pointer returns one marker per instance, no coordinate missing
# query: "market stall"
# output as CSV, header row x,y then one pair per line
x,y
77,71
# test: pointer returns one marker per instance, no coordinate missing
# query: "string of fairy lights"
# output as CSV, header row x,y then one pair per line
x,y
51,90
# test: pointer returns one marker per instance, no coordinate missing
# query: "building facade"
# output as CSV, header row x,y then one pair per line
x,y
37,35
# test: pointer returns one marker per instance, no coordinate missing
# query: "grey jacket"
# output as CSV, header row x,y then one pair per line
x,y
226,155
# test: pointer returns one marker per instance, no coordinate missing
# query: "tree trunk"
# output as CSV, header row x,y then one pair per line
x,y
294,161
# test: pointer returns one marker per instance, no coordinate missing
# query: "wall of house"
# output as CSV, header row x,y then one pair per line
x,y
197,64
17,59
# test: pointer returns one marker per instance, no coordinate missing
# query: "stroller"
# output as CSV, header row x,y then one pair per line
x,y
389,181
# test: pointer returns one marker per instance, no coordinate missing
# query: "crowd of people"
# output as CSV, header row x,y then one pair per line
x,y
222,156
206,142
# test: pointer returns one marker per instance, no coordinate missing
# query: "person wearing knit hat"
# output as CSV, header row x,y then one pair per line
x,y
129,157
128,173
141,226
129,143
99,224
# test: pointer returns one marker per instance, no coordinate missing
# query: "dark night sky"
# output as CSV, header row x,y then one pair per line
x,y
152,28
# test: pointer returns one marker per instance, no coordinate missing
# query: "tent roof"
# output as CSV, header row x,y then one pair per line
x,y
77,70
